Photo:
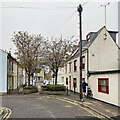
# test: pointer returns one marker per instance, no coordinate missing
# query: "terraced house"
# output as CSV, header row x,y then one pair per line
x,y
100,66
11,73
15,74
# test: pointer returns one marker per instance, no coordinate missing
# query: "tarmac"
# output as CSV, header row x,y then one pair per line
x,y
109,111
105,109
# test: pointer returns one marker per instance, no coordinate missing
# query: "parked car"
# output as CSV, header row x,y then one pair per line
x,y
51,83
46,82
31,83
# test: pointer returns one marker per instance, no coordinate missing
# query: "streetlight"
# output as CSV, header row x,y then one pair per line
x,y
80,50
105,5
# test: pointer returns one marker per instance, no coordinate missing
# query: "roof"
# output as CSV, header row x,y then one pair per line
x,y
86,46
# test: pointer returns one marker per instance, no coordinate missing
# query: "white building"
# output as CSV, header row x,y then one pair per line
x,y
60,78
101,67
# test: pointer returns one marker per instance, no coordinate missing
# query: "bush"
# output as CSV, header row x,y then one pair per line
x,y
30,87
53,88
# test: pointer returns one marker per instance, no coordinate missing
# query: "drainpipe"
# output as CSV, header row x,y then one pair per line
x,y
87,65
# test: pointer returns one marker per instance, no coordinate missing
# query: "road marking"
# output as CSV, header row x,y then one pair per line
x,y
8,113
51,113
81,107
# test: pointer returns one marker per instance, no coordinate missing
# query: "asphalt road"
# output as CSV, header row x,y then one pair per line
x,y
42,107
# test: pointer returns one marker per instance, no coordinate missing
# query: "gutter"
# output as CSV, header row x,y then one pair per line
x,y
103,72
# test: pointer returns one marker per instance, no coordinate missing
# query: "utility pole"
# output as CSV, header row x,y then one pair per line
x,y
80,49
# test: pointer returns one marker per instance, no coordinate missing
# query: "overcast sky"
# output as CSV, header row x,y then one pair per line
x,y
51,19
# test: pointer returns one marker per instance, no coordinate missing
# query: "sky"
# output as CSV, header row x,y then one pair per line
x,y
53,18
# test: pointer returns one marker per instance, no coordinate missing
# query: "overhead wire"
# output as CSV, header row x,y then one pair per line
x,y
67,19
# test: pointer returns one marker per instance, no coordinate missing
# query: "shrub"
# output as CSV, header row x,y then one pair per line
x,y
53,88
30,87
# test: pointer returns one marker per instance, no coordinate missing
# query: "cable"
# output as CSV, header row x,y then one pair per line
x,y
68,18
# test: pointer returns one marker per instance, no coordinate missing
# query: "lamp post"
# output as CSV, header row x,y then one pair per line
x,y
80,49
105,5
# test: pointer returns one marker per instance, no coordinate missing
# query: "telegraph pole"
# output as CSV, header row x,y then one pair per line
x,y
80,49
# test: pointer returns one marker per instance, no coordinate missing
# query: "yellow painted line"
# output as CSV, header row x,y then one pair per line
x,y
89,111
8,113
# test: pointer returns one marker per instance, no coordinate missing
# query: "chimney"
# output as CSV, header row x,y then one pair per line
x,y
88,38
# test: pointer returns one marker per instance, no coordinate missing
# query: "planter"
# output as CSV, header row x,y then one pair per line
x,y
28,91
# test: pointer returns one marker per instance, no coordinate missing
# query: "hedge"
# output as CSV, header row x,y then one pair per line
x,y
30,87
53,88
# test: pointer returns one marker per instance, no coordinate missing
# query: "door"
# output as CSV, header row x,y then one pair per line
x,y
69,82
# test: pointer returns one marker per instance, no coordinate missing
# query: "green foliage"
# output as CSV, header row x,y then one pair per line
x,y
53,88
30,87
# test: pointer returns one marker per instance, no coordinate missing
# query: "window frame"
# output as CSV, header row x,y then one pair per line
x,y
70,67
106,85
83,64
66,68
75,65
66,81
75,85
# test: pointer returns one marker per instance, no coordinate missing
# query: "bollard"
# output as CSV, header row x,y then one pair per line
x,y
67,90
74,90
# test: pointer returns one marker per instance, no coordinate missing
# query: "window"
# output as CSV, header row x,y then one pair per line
x,y
65,68
69,67
66,81
74,82
103,85
75,65
83,62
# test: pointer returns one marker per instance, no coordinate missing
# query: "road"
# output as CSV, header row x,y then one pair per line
x,y
28,106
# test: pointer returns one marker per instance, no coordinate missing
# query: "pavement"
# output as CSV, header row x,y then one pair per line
x,y
105,109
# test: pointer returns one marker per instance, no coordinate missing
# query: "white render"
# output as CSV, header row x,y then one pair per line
x,y
112,97
103,54
106,58
75,74
60,77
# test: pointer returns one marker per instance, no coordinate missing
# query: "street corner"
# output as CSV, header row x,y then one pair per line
x,y
87,108
5,113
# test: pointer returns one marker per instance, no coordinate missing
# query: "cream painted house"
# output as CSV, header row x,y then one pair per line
x,y
39,75
60,78
104,67
101,67
72,72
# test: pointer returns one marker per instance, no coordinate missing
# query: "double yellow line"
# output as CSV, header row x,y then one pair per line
x,y
84,108
8,113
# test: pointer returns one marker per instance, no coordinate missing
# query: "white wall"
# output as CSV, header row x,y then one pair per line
x,y
60,75
105,53
112,97
75,74
106,58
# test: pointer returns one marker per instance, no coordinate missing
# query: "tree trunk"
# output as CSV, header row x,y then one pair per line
x,y
29,79
56,73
